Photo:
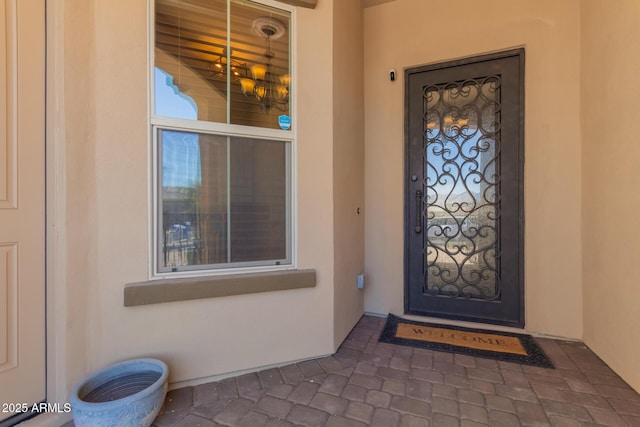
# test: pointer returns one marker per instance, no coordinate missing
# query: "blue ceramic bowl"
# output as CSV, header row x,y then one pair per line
x,y
129,393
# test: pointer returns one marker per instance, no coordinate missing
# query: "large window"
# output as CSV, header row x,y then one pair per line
x,y
222,135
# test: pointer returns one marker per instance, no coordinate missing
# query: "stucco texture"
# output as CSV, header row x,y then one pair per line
x,y
106,197
610,115
580,169
407,33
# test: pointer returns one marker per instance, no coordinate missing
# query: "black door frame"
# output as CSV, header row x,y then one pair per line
x,y
408,193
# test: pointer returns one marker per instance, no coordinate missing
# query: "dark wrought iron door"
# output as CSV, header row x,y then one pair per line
x,y
464,189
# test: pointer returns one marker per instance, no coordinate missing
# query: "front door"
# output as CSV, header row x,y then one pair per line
x,y
464,189
22,207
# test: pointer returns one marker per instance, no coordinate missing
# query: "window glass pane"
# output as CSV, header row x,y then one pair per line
x,y
189,36
258,200
170,101
260,40
238,75
223,200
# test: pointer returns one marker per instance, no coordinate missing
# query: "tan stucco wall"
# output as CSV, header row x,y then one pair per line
x,y
75,259
611,199
106,241
406,33
98,211
348,165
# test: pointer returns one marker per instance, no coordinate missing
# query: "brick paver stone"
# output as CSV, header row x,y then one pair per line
x,y
503,419
515,378
367,383
443,390
333,384
378,399
354,392
303,393
337,421
401,363
474,413
394,387
442,420
205,393
471,396
210,410
163,420
392,374
385,418
460,381
359,411
248,383
278,423
485,387
420,390
557,421
500,403
365,368
485,375
440,356
310,368
631,420
330,364
274,407
350,353
617,392
330,404
553,381
228,388
421,361
195,421
531,414
626,406
509,366
291,374
411,421
516,393
581,386
427,375
270,377
586,399
546,392
449,368
309,417
464,360
376,360
566,410
445,406
410,406
280,390
234,411
179,400
253,419
607,417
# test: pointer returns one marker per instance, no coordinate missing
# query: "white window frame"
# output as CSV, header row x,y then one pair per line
x,y
221,129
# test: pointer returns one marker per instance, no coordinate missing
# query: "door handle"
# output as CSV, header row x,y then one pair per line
x,y
418,212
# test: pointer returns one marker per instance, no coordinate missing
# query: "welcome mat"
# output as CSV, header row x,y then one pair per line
x,y
504,346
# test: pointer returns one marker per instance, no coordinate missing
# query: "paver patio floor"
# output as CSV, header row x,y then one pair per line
x,y
378,384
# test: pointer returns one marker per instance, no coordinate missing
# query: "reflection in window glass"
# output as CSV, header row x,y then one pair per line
x,y
238,74
170,101
224,201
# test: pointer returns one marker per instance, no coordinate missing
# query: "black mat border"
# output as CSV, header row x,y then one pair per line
x,y
536,356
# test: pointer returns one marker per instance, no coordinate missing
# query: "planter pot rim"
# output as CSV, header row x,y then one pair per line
x,y
128,365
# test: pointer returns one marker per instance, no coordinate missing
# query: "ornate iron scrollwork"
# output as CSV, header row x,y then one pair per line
x,y
461,203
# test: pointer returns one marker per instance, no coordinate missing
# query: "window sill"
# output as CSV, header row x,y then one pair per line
x,y
169,290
